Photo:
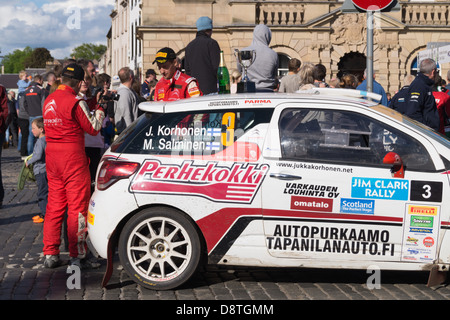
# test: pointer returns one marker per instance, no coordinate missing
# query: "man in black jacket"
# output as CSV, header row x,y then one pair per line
x,y
417,101
203,57
35,96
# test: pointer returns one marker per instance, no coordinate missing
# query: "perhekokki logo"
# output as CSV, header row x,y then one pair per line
x,y
238,183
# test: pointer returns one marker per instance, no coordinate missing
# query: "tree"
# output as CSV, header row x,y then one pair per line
x,y
89,51
15,61
38,58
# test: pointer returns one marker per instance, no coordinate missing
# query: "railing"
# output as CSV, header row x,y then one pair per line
x,y
292,13
430,14
283,14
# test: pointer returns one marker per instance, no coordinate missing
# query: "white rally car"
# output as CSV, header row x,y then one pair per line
x,y
314,179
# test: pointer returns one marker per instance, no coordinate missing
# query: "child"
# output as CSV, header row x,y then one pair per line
x,y
23,83
38,161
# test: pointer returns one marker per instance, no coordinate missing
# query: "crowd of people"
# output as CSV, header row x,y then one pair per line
x,y
63,128
421,98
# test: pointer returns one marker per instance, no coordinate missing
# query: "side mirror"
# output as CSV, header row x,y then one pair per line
x,y
398,170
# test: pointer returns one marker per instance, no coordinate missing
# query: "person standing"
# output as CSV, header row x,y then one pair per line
x,y
35,96
442,98
320,71
376,88
3,118
291,82
264,70
12,118
306,76
66,119
51,78
127,105
146,88
93,144
448,82
417,102
174,84
203,57
23,122
38,162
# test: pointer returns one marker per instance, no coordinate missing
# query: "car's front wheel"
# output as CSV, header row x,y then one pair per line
x,y
160,248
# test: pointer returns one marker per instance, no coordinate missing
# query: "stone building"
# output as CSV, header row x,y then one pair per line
x,y
314,31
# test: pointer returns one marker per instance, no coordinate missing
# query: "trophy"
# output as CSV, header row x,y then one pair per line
x,y
245,59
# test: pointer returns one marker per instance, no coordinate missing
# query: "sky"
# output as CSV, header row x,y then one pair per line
x,y
58,25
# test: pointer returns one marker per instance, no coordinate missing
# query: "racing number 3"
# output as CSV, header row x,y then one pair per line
x,y
228,122
428,191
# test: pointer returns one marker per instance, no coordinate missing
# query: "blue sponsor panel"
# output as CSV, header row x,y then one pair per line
x,y
374,188
357,206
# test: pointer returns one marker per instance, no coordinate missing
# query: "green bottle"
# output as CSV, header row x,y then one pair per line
x,y
223,77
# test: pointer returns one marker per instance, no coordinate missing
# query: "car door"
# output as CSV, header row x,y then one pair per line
x,y
330,196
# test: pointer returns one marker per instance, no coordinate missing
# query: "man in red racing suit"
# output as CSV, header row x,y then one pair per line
x,y
66,119
174,84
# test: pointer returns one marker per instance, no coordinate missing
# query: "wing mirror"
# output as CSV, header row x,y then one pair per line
x,y
397,170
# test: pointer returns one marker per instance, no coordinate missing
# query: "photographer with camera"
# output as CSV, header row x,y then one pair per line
x,y
126,110
107,99
93,145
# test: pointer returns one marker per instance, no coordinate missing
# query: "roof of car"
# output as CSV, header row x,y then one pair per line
x,y
262,100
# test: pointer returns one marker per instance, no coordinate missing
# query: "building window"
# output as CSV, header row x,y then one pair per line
x,y
283,64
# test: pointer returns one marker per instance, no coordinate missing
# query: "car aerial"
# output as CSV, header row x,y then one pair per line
x,y
326,178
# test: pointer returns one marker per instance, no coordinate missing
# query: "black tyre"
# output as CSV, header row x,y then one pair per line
x,y
160,248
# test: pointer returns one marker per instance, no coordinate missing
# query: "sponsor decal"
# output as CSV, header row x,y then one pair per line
x,y
90,218
238,183
223,103
374,188
314,204
428,242
326,239
51,107
422,210
412,240
304,189
307,166
257,101
421,228
222,228
193,92
357,206
421,221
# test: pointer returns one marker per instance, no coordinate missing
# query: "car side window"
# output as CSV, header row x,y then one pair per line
x,y
346,137
193,133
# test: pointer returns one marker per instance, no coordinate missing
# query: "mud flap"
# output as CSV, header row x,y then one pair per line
x,y
109,260
436,277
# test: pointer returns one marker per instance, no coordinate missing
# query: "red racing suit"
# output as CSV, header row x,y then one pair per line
x,y
443,106
181,86
66,119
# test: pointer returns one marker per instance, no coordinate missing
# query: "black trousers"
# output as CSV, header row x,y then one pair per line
x,y
24,125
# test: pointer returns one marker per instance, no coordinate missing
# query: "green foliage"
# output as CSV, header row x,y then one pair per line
x,y
26,58
15,61
89,51
38,58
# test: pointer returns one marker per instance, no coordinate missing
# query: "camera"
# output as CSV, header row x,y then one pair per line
x,y
112,97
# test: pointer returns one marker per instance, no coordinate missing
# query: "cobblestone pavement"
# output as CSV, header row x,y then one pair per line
x,y
23,277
